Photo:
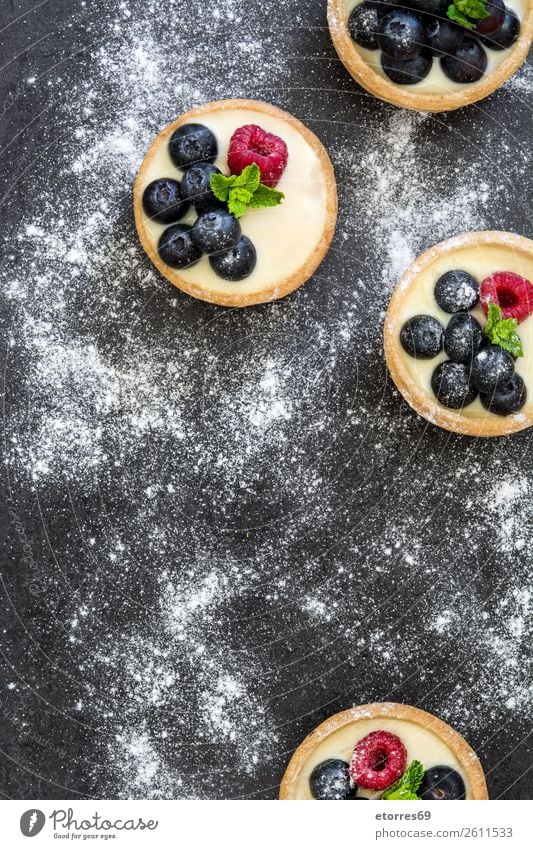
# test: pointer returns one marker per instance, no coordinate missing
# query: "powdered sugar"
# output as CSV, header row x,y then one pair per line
x,y
522,81
510,499
405,200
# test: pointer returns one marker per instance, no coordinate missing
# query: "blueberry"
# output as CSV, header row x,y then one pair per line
x,y
506,35
456,291
196,187
216,232
162,201
402,35
330,780
176,247
451,385
237,263
467,63
507,399
410,72
440,783
422,337
363,25
437,8
444,37
463,337
492,368
496,10
192,143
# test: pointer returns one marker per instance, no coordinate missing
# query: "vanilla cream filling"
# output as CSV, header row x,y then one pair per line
x,y
436,81
285,236
480,262
421,744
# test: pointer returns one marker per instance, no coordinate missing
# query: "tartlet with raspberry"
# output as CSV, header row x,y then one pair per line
x,y
431,55
236,203
458,334
384,751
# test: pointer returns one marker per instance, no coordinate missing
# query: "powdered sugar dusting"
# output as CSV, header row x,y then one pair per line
x,y
405,200
522,81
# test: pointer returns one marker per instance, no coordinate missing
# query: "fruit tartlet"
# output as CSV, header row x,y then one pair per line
x,y
431,55
458,334
236,203
384,751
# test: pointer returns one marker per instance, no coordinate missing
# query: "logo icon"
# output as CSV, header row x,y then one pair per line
x,y
32,822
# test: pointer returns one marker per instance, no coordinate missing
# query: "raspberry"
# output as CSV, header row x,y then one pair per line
x,y
378,760
251,144
513,294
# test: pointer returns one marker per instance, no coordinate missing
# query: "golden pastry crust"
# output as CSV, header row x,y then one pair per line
x,y
466,757
267,293
424,403
408,97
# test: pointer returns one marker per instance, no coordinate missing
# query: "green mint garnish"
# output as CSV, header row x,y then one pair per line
x,y
467,12
502,331
244,191
265,196
455,15
406,787
476,9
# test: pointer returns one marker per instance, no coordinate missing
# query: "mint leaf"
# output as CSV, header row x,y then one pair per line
x,y
265,196
244,191
502,331
494,316
455,15
401,795
406,787
249,178
220,186
239,200
476,9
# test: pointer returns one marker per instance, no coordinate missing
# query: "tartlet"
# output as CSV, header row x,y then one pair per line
x,y
414,96
291,239
481,254
427,739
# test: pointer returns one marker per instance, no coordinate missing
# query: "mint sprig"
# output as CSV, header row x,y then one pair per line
x,y
244,191
502,331
455,15
467,12
476,9
406,787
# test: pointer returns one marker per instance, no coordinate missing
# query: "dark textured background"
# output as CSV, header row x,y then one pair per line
x,y
384,469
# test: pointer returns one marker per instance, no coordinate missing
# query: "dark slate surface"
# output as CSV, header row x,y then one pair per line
x,y
404,475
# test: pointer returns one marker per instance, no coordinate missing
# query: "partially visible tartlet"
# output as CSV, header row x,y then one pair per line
x,y
283,244
384,751
423,85
458,334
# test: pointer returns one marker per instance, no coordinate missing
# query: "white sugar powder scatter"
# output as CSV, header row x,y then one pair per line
x,y
512,515
521,82
406,206
184,690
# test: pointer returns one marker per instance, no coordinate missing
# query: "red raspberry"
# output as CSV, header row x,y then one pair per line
x,y
253,144
378,760
512,293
